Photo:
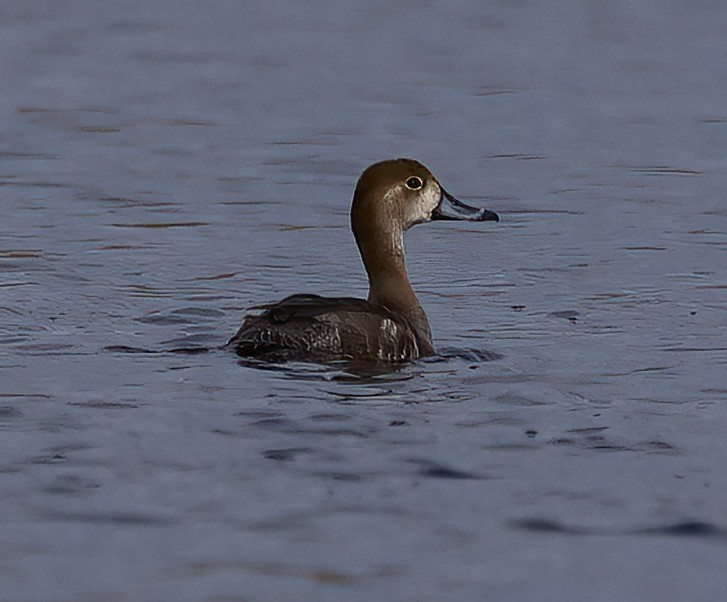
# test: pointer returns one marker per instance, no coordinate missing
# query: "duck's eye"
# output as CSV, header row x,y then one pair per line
x,y
414,183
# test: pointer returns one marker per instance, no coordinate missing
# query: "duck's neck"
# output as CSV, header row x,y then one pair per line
x,y
389,285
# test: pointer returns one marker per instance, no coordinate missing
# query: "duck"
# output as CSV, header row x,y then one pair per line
x,y
390,325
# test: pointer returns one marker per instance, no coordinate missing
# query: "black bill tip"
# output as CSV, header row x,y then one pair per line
x,y
487,215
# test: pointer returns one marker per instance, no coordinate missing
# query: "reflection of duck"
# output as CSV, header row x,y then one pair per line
x,y
390,197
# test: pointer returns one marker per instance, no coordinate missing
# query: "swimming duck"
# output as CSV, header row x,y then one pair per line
x,y
390,197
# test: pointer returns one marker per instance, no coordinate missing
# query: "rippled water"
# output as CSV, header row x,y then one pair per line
x,y
164,167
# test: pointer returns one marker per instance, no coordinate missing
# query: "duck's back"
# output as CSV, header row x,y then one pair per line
x,y
310,327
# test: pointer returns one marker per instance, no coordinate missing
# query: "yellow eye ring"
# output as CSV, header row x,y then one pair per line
x,y
414,183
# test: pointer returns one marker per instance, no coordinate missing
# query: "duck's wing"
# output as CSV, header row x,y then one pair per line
x,y
304,307
314,328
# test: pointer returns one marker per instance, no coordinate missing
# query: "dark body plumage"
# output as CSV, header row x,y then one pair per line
x,y
324,328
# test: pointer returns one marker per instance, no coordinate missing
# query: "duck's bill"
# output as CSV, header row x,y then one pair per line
x,y
451,208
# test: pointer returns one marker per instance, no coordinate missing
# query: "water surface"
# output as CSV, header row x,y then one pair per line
x,y
161,170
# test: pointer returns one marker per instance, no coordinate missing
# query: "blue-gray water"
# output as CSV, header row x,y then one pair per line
x,y
163,166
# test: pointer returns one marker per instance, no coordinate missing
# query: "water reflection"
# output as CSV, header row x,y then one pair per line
x,y
376,371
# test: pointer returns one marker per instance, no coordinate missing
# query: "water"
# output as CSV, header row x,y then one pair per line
x,y
163,168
